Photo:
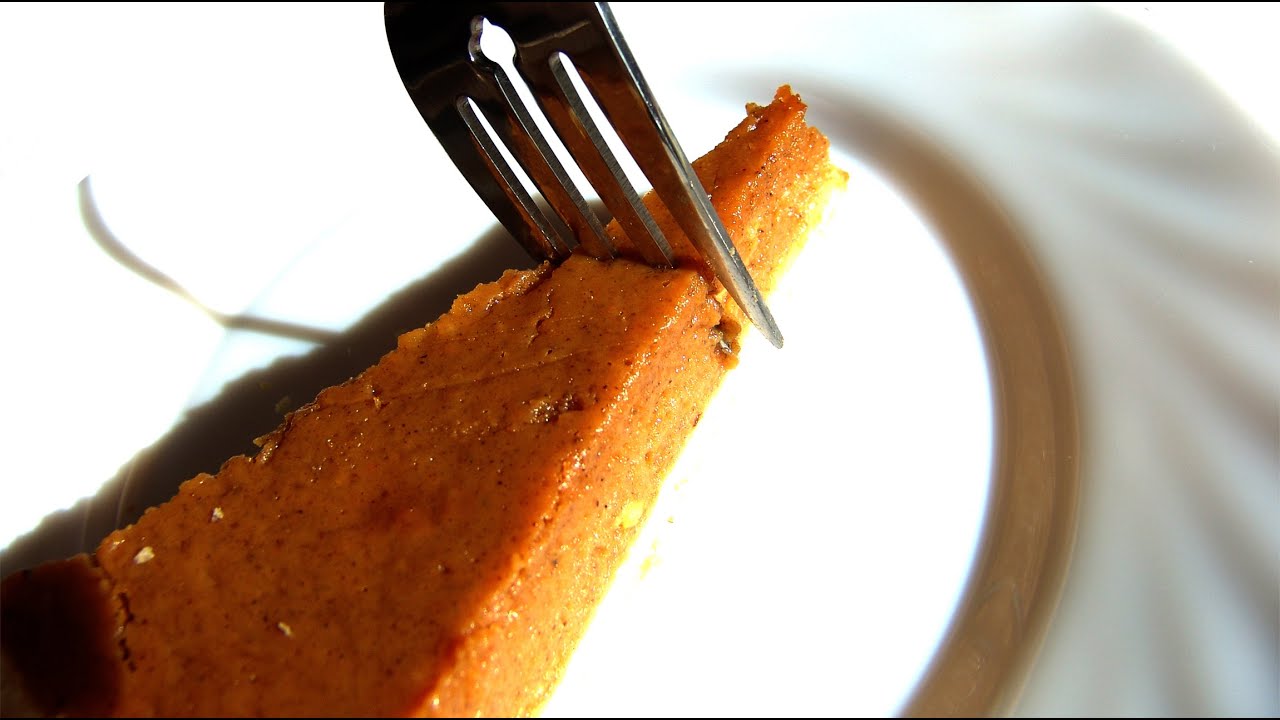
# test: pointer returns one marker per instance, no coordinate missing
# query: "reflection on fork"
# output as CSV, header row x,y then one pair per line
x,y
461,93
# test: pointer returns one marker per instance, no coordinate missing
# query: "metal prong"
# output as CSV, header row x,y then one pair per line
x,y
658,250
517,128
497,184
554,91
659,155
588,35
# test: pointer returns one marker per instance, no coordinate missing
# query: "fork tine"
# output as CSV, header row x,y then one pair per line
x,y
564,109
431,49
513,123
589,35
496,183
615,79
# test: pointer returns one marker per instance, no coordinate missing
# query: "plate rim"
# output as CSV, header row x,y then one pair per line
x,y
1024,549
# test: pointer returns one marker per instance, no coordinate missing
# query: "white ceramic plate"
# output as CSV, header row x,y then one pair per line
x,y
267,162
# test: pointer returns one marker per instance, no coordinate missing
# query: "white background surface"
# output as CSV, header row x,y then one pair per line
x,y
246,151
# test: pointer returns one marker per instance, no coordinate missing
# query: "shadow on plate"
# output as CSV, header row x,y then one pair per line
x,y
248,407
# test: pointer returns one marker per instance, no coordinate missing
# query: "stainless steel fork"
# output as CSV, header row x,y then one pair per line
x,y
436,48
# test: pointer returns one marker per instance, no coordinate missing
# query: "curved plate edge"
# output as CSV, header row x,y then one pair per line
x,y
1025,549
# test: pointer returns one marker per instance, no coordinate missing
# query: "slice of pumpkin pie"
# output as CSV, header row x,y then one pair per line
x,y
432,536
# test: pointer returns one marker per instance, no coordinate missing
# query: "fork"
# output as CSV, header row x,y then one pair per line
x,y
436,49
